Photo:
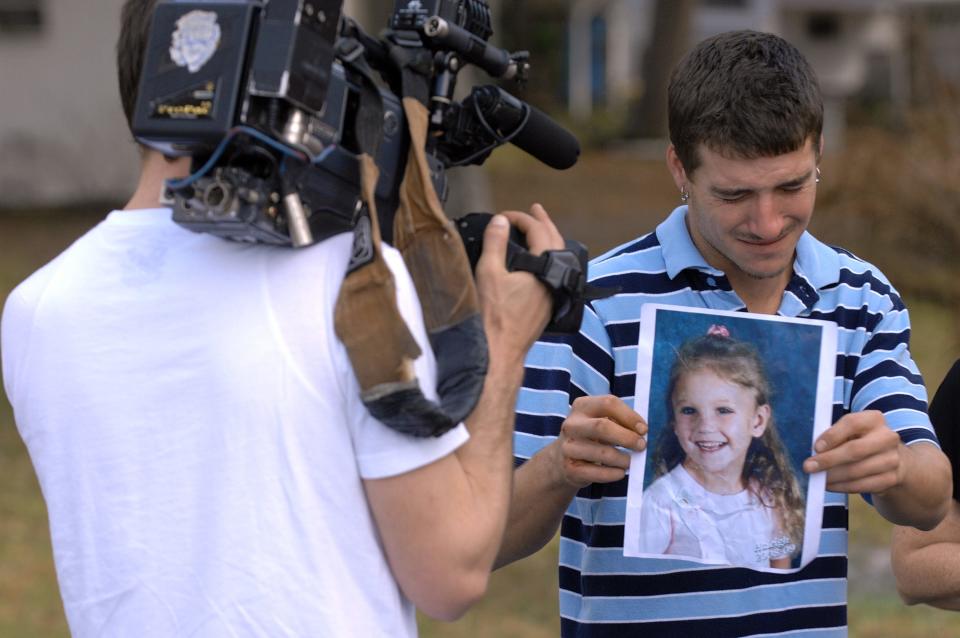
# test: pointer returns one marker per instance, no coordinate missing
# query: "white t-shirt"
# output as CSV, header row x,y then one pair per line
x,y
196,429
678,516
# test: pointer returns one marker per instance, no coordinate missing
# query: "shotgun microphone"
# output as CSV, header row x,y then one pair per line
x,y
524,126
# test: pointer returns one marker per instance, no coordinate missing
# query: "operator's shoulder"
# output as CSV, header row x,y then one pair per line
x,y
326,260
335,248
323,267
336,251
28,292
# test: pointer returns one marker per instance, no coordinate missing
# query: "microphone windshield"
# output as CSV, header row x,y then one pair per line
x,y
546,140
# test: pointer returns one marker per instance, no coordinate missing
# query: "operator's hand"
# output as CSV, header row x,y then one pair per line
x,y
860,453
585,451
516,306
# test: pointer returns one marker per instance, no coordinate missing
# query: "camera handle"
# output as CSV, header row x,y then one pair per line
x,y
497,62
563,272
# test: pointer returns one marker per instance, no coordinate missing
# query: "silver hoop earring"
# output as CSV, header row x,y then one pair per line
x,y
684,195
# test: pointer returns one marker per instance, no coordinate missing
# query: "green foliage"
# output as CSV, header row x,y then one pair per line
x,y
895,195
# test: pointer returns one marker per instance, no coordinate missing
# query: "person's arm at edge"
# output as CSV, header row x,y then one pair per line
x,y
926,564
442,524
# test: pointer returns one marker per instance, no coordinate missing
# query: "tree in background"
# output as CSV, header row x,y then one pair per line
x,y
669,41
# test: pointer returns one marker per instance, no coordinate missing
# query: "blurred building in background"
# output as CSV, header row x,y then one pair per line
x,y
864,51
62,133
63,137
600,63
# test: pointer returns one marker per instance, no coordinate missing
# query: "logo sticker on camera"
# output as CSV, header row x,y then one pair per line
x,y
195,40
194,103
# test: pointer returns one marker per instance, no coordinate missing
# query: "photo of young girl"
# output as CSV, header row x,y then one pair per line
x,y
724,490
733,402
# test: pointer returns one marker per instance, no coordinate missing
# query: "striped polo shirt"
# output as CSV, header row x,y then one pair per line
x,y
603,593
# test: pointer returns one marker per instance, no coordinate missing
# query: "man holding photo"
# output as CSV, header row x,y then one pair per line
x,y
746,118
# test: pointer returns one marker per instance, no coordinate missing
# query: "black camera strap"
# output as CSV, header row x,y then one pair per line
x,y
563,272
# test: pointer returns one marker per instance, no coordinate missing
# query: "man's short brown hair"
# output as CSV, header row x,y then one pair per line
x,y
743,94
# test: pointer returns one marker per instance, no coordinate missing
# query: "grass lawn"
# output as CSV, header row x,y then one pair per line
x,y
624,197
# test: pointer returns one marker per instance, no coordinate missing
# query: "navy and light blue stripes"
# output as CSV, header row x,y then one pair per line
x,y
603,593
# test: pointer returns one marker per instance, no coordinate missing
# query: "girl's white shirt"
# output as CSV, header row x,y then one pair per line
x,y
680,517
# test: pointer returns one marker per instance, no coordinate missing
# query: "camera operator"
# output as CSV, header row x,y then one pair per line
x,y
196,427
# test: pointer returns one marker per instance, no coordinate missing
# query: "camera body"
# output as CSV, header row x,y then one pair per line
x,y
264,97
260,83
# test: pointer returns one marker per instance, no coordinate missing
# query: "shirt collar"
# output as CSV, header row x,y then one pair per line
x,y
679,251
816,262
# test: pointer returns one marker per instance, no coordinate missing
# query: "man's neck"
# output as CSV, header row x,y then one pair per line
x,y
760,295
154,171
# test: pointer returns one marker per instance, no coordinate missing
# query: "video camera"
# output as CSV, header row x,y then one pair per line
x,y
301,126
274,99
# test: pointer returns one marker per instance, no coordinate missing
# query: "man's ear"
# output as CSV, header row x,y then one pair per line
x,y
676,169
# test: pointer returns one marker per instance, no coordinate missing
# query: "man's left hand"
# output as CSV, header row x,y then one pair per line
x,y
860,453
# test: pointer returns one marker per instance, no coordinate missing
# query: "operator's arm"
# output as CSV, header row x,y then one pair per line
x,y
927,564
582,454
567,443
442,524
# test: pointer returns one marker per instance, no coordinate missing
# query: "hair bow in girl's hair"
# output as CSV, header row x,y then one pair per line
x,y
718,330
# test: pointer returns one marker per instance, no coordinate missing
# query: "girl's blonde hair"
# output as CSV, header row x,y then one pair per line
x,y
767,471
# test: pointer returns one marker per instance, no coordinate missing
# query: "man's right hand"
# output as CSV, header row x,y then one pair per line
x,y
586,450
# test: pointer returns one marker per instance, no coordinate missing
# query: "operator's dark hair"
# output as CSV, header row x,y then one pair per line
x,y
743,94
135,17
